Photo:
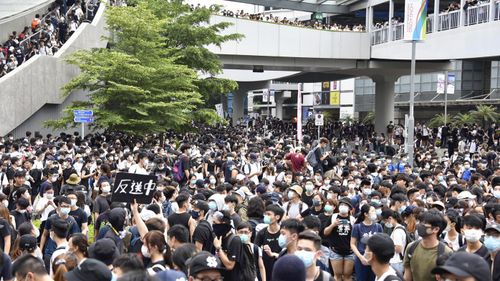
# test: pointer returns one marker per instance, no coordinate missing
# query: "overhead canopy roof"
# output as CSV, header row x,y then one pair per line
x,y
322,6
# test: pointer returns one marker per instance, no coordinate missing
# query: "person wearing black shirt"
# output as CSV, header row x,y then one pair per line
x,y
228,246
267,238
186,162
5,235
203,236
78,214
182,216
20,214
15,190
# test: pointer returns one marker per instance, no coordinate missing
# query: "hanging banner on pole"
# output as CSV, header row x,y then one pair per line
x,y
450,88
440,83
415,20
299,112
220,110
265,95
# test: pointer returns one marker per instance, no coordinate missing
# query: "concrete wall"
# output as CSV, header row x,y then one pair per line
x,y
476,41
38,82
18,21
275,40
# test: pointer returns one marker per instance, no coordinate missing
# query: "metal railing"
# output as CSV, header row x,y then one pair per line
x,y
430,23
380,35
449,20
446,21
477,14
398,31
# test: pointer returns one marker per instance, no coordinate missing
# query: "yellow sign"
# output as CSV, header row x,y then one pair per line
x,y
334,98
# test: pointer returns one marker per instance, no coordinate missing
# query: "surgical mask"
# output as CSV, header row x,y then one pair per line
x,y
343,209
22,211
492,243
496,193
316,203
328,208
193,182
309,187
225,207
376,201
54,178
73,202
440,178
378,212
267,220
351,185
291,194
145,252
212,205
106,189
329,196
473,235
373,217
389,225
65,211
306,257
326,182
367,191
244,238
49,196
402,209
282,241
212,181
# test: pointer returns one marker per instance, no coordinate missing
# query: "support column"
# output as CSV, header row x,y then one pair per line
x,y
278,99
492,11
436,17
462,13
239,104
384,102
391,15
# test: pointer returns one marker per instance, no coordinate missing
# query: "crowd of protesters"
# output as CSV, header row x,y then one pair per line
x,y
46,34
251,202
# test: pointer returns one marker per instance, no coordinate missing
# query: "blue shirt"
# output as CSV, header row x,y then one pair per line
x,y
73,228
362,230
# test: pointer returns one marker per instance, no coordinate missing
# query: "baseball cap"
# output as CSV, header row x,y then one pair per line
x,y
297,189
241,193
289,268
466,195
104,250
203,261
27,242
89,269
347,201
492,226
463,264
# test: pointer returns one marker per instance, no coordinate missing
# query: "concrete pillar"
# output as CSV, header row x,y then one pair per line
x,y
391,15
384,102
436,17
278,99
238,104
462,13
492,11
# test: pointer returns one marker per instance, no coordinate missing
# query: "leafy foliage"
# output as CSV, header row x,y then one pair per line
x,y
149,81
485,114
369,118
438,120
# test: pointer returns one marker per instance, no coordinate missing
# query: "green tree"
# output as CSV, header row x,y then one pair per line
x,y
438,120
463,119
146,83
369,118
485,114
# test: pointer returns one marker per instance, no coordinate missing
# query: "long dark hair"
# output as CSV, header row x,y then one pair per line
x,y
362,213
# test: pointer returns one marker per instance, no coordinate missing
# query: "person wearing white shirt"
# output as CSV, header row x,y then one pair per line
x,y
141,167
45,204
379,251
393,221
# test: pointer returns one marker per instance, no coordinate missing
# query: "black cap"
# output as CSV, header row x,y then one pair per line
x,y
203,261
89,269
104,250
202,205
27,242
289,268
347,201
463,264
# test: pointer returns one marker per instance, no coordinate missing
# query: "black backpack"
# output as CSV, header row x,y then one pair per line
x,y
247,263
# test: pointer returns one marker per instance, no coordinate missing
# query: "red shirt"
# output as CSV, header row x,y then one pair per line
x,y
297,160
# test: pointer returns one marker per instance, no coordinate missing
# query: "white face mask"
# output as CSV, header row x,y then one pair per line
x,y
343,209
473,235
73,202
106,189
145,252
49,196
